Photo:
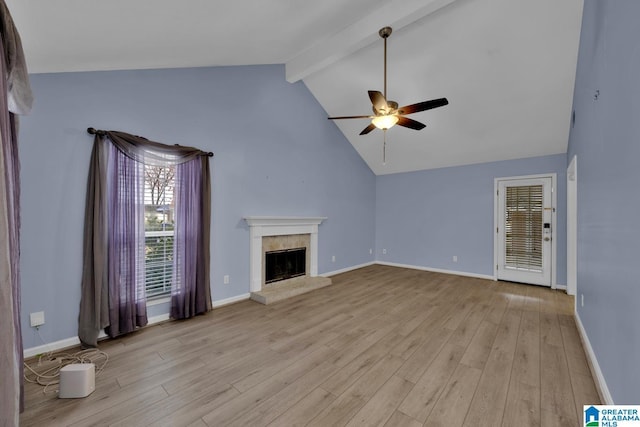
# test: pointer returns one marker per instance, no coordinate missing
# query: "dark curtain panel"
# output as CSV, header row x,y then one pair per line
x,y
16,99
94,306
113,277
191,292
10,334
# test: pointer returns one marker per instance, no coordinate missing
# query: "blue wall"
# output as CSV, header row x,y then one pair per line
x,y
275,154
425,218
606,141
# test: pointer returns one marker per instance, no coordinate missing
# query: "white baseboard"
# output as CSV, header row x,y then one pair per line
x,y
344,270
75,341
52,346
227,301
596,372
438,270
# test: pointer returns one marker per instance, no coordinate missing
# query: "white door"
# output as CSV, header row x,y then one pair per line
x,y
525,230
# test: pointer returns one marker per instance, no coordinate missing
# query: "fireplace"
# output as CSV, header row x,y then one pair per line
x,y
269,234
287,248
284,264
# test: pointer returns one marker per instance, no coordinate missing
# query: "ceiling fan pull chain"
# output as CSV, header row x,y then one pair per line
x,y
384,148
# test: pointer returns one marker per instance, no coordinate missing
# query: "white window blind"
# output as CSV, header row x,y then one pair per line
x,y
523,227
159,229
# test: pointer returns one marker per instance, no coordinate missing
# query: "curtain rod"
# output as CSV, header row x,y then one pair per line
x,y
93,131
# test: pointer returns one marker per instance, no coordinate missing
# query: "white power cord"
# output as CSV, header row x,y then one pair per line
x,y
47,371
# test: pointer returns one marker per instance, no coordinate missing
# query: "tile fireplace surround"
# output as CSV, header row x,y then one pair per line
x,y
264,226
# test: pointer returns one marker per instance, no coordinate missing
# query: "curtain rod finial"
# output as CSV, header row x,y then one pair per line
x,y
93,131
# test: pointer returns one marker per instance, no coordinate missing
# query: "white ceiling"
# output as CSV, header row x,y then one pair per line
x,y
507,67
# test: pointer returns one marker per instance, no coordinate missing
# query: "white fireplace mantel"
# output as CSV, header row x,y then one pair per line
x,y
261,226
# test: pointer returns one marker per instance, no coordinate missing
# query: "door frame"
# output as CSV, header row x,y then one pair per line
x,y
554,221
572,227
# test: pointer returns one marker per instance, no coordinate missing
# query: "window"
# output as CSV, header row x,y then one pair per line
x,y
159,229
165,238
523,227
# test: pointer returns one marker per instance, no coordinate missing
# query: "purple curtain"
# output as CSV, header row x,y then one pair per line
x,y
113,283
190,291
16,99
125,237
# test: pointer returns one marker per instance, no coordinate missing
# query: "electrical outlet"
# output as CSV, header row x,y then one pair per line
x,y
37,319
455,258
582,300
384,252
370,251
226,279
333,258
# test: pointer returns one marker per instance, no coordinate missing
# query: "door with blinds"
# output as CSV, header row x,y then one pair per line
x,y
525,230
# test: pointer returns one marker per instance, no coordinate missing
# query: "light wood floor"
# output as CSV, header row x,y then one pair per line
x,y
382,346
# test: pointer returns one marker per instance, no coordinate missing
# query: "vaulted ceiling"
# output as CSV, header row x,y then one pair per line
x,y
507,67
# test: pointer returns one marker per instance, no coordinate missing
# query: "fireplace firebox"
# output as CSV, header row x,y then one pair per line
x,y
285,264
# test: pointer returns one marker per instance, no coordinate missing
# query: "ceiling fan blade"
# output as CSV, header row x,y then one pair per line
x,y
349,117
367,129
378,100
410,123
422,106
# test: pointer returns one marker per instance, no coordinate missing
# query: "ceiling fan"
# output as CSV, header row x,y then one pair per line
x,y
386,113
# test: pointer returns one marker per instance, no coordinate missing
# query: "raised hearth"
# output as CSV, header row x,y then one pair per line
x,y
289,288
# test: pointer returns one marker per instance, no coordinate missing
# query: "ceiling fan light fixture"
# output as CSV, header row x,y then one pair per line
x,y
385,122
